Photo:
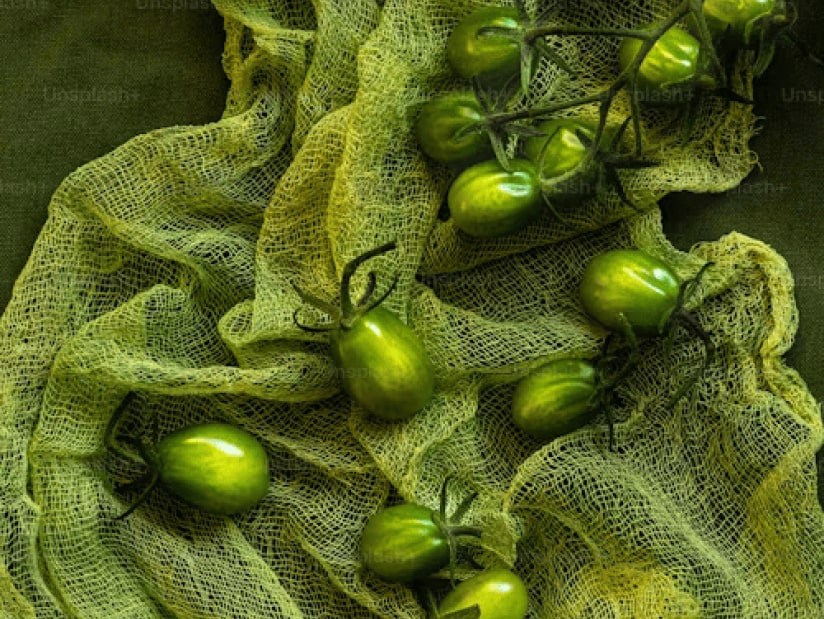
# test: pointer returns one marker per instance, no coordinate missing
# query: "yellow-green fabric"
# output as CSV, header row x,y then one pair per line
x,y
165,268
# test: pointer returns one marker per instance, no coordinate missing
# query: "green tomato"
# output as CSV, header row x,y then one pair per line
x,y
443,129
403,543
489,56
555,399
672,69
564,150
628,288
383,365
217,467
487,201
742,20
498,594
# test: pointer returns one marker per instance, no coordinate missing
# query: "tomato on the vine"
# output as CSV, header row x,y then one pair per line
x,y
671,70
555,399
742,20
450,129
486,200
495,593
486,44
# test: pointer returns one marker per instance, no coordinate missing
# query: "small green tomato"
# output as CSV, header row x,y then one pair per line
x,y
492,57
555,399
627,288
382,363
497,594
449,130
217,467
672,69
403,543
486,200
742,20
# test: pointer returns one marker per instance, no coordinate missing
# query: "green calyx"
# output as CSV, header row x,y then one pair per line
x,y
450,526
349,312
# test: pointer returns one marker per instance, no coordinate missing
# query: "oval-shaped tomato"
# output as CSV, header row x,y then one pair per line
x,y
629,288
493,57
403,543
742,20
486,200
672,69
555,399
217,467
560,145
498,594
449,129
383,365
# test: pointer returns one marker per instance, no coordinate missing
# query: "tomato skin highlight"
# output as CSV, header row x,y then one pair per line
x,y
487,201
383,365
499,594
555,399
672,68
217,467
438,126
403,543
490,57
627,287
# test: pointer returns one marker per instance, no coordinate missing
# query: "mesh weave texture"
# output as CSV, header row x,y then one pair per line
x,y
165,269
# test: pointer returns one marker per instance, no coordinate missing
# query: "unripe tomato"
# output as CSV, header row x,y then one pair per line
x,y
442,130
564,150
555,399
383,365
217,467
629,288
488,56
742,20
485,200
403,543
498,594
671,70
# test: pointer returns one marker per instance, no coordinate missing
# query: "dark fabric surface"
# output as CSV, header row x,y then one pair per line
x,y
79,78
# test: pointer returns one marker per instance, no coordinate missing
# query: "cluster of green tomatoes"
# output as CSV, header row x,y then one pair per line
x,y
383,364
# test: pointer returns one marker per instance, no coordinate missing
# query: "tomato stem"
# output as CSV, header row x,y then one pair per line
x,y
465,530
143,495
109,435
546,31
348,311
627,78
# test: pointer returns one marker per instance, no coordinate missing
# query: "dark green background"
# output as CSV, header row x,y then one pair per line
x,y
79,78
